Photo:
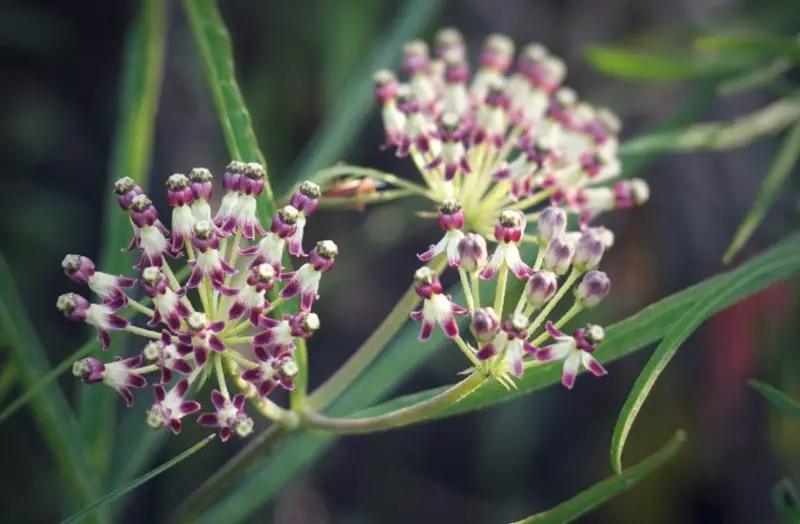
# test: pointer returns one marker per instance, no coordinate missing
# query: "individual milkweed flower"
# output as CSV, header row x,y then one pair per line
x,y
552,223
305,280
592,201
209,262
593,288
275,367
244,212
126,189
168,356
451,220
119,374
225,219
416,66
508,232
472,252
305,201
108,287
509,346
540,288
251,298
589,251
437,308
170,407
558,255
100,316
179,197
270,248
230,416
453,155
149,234
485,327
394,121
202,188
201,336
575,351
491,121
169,307
279,335
419,130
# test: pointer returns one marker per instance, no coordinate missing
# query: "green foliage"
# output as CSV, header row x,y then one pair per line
x,y
607,489
50,409
771,45
777,398
141,84
786,502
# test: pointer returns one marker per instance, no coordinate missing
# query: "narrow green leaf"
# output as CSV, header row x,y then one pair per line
x,y
785,501
609,488
784,46
44,381
740,131
686,325
117,493
750,80
214,45
777,398
141,85
50,409
7,378
348,117
648,67
779,171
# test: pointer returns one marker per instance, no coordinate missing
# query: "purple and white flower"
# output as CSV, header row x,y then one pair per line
x,y
77,309
451,220
575,351
508,231
305,280
118,374
437,308
230,416
108,287
170,407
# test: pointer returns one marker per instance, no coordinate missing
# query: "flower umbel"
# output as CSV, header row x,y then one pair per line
x,y
220,322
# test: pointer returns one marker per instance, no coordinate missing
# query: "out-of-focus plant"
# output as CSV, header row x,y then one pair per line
x,y
505,153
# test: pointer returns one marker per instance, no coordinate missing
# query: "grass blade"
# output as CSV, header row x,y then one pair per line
x,y
785,501
777,398
607,489
686,325
784,46
648,67
348,117
213,41
768,120
117,493
779,171
51,410
141,84
761,77
33,390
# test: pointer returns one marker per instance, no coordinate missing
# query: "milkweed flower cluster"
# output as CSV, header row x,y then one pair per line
x,y
221,320
508,155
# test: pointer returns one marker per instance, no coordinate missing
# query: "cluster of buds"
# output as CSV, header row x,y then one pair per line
x,y
224,320
492,149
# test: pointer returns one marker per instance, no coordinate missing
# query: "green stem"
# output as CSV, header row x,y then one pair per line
x,y
299,394
143,332
476,289
382,196
542,316
395,419
464,347
239,359
371,348
141,308
500,293
331,172
462,274
569,315
278,415
223,386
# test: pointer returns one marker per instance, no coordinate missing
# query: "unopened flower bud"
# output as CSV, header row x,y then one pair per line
x,y
589,251
473,252
552,223
451,215
179,193
540,288
510,226
200,181
593,288
485,324
306,197
558,255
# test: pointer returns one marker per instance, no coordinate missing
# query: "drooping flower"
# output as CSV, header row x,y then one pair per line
x,y
100,316
451,220
575,351
305,280
108,287
119,374
508,232
437,308
170,407
230,416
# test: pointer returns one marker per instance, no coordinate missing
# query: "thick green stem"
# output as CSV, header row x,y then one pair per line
x,y
399,418
500,294
299,394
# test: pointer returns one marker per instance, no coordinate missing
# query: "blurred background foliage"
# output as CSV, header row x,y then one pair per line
x,y
300,65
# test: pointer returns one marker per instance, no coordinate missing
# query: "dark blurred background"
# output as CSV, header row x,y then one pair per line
x,y
58,105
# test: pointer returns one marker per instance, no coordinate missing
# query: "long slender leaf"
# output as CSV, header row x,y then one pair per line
x,y
8,377
784,46
141,85
336,134
117,493
214,45
785,501
779,171
50,409
760,77
648,67
686,325
777,398
609,488
766,121
259,481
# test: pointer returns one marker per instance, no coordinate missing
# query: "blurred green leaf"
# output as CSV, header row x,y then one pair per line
x,y
33,390
143,66
7,378
766,121
214,45
51,410
639,66
717,297
342,125
777,398
772,45
785,501
117,493
781,168
609,488
759,77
